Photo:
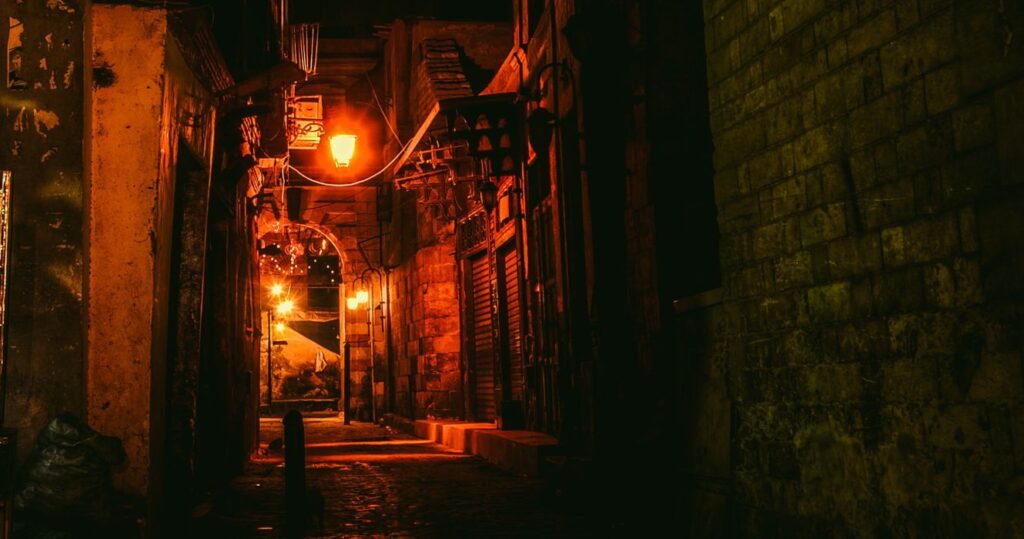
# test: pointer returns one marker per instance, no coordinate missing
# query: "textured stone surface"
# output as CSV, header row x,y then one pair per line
x,y
378,483
891,405
427,333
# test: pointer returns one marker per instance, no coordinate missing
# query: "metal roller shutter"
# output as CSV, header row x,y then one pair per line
x,y
483,339
513,341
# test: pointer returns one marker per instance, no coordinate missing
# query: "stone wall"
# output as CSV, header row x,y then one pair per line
x,y
361,203
869,188
426,61
426,334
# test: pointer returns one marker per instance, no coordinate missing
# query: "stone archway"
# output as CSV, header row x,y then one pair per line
x,y
287,382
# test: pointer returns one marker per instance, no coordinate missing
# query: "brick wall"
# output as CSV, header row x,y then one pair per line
x,y
869,189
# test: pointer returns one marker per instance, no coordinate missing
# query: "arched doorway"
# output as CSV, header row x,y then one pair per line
x,y
302,319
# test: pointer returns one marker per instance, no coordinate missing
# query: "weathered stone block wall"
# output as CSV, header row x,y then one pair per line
x,y
420,246
428,380
361,203
869,186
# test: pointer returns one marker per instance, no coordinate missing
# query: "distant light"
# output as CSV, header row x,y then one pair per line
x,y
279,327
362,297
343,147
352,303
285,307
276,289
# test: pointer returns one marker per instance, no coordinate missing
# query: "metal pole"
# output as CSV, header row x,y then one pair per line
x,y
5,264
346,385
373,352
389,383
270,354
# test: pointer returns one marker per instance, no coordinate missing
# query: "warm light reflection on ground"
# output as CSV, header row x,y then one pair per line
x,y
368,457
328,440
376,482
364,451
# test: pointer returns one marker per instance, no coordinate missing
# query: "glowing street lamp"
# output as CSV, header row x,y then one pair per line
x,y
285,307
352,303
279,327
343,147
276,289
362,297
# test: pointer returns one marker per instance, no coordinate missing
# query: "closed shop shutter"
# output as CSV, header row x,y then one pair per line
x,y
513,341
482,339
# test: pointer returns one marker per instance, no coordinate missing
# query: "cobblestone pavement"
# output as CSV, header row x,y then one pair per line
x,y
379,483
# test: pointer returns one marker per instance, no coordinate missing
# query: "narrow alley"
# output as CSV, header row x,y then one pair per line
x,y
524,268
375,481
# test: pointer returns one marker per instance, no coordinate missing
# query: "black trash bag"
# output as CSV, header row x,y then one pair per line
x,y
67,475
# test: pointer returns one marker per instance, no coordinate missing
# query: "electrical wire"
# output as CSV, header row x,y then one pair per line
x,y
373,176
380,107
367,179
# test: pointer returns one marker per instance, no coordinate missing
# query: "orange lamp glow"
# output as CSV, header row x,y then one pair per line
x,y
279,327
285,307
343,147
362,297
352,303
276,289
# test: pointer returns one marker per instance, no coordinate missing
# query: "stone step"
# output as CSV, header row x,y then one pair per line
x,y
519,451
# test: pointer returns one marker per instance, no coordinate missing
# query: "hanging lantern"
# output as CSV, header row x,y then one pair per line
x,y
488,195
343,147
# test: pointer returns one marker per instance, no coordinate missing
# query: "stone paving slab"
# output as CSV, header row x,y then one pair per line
x,y
400,487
